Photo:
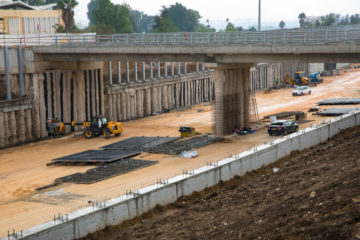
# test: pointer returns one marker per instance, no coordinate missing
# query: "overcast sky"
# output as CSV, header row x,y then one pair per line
x,y
235,10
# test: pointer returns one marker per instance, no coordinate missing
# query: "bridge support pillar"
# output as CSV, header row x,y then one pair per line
x,y
232,83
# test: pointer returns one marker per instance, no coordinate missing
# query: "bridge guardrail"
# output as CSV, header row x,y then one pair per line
x,y
290,36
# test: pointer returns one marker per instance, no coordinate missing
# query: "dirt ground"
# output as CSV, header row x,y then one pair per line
x,y
314,195
23,168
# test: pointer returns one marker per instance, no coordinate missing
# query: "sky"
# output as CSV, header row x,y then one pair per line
x,y
239,12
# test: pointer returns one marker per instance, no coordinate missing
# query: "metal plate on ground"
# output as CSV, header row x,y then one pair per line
x,y
140,143
98,156
339,101
283,114
106,171
336,111
185,145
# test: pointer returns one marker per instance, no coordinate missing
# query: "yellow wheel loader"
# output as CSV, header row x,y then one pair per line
x,y
99,125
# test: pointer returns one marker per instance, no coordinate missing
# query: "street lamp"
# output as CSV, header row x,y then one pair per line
x,y
259,17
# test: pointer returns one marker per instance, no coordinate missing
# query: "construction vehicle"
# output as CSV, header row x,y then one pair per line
x,y
315,78
98,125
187,131
299,79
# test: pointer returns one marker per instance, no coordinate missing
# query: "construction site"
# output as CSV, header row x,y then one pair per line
x,y
52,168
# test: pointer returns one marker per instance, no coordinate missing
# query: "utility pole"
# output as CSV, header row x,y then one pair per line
x,y
259,18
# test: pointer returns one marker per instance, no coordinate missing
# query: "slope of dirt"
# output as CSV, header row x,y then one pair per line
x,y
314,195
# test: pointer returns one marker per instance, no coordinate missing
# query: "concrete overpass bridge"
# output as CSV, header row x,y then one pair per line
x,y
234,52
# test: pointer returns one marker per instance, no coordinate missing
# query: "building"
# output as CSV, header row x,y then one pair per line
x,y
21,18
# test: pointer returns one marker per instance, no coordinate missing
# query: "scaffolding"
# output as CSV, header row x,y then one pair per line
x,y
254,113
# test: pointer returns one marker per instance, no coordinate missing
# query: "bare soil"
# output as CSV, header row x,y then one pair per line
x,y
314,195
23,168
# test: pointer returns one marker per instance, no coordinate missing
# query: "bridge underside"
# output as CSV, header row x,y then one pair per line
x,y
232,94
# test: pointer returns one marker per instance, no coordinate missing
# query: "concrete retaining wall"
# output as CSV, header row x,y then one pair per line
x,y
117,210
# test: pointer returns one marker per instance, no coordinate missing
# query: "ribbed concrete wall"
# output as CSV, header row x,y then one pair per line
x,y
117,210
143,98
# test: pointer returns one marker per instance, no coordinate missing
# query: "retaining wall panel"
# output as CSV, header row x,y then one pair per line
x,y
334,128
162,196
245,165
357,119
64,231
90,223
225,172
235,168
309,139
117,214
324,133
283,149
200,181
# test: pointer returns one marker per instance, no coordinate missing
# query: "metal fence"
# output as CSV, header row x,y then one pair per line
x,y
288,36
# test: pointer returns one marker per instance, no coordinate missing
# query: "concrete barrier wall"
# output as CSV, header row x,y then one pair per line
x,y
117,210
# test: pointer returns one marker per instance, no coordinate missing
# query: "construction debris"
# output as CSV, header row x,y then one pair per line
x,y
336,111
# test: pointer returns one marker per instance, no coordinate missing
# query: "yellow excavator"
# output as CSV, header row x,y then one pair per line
x,y
299,79
98,125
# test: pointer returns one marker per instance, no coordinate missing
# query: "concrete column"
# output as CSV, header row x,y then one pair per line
x,y
159,103
20,125
165,69
139,102
7,73
119,71
203,67
186,94
179,69
133,106
151,71
135,72
123,107
96,89
28,126
172,69
118,107
66,99
6,129
219,78
185,67
147,102
154,98
110,73
42,111
93,92
21,76
164,102
102,101
88,89
114,108
247,80
170,96
240,97
12,128
2,130
111,105
36,108
158,70
128,106
127,72
143,71
197,67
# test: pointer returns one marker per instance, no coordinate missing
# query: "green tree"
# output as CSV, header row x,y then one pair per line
x,y
67,14
355,19
252,29
141,22
282,24
230,28
328,19
110,18
206,28
301,18
186,20
92,5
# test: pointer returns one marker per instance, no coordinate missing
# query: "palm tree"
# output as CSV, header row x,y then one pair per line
x,y
282,24
301,18
67,12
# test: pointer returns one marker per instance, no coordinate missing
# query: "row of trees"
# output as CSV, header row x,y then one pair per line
x,y
331,19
